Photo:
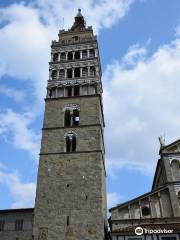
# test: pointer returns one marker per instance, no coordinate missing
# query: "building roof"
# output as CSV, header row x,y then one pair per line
x,y
137,198
17,210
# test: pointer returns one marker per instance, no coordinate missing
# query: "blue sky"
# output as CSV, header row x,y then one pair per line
x,y
139,44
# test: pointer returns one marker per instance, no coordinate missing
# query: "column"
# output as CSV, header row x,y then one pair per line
x,y
88,53
66,55
59,58
81,54
73,55
88,71
80,71
65,71
72,72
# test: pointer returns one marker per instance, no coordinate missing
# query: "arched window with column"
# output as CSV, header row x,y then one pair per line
x,y
71,115
70,142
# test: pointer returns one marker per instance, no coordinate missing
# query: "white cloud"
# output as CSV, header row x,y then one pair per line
x,y
100,14
28,30
113,199
23,194
13,93
141,103
17,128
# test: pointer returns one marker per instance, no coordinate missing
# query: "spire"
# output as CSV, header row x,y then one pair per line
x,y
79,23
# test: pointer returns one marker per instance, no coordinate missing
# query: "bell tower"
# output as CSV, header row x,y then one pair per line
x,y
71,191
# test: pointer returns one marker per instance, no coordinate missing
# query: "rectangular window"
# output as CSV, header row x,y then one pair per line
x,y
2,223
19,225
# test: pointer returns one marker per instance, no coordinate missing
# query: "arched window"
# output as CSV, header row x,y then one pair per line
x,y
84,54
61,74
71,117
92,71
84,72
63,56
77,55
69,73
175,167
77,72
55,57
70,142
91,53
67,118
70,55
76,90
54,75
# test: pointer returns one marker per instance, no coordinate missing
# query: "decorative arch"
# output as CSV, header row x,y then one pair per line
x,y
175,169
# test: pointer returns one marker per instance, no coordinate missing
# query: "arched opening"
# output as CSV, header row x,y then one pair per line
x,y
70,143
91,53
92,71
77,72
77,55
84,54
75,117
67,118
69,73
70,55
63,56
55,57
61,74
84,72
69,91
76,90
54,75
175,166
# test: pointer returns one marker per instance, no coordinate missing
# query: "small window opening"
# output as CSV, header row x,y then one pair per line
x,y
69,91
76,117
67,118
69,73
76,90
61,74
146,211
67,185
86,197
76,38
63,56
55,57
84,72
67,220
50,93
77,55
54,75
91,53
70,55
84,54
92,71
77,72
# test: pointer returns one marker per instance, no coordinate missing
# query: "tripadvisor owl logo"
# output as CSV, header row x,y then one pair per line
x,y
139,231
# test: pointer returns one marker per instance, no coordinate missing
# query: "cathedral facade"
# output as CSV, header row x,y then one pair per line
x,y
71,185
